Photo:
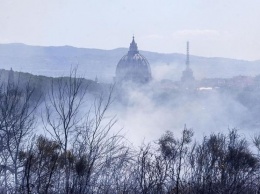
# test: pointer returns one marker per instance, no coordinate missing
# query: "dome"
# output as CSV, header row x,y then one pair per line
x,y
133,67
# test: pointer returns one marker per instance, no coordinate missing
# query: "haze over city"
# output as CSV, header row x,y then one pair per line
x,y
120,96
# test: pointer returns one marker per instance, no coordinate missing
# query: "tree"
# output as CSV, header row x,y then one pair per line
x,y
176,152
16,124
99,149
224,164
41,166
62,113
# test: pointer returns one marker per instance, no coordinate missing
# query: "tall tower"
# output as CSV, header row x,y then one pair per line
x,y
11,76
187,74
188,56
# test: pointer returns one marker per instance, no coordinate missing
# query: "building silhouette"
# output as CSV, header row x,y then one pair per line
x,y
133,67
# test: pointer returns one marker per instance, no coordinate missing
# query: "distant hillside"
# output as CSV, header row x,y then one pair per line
x,y
42,84
56,61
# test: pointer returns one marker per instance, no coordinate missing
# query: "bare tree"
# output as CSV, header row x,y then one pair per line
x,y
40,166
63,113
16,123
150,171
98,148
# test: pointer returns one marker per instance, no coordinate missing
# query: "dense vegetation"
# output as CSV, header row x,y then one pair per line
x,y
80,154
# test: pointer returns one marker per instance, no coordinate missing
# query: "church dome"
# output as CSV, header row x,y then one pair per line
x,y
133,67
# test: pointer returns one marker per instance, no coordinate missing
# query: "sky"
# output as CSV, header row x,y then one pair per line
x,y
214,28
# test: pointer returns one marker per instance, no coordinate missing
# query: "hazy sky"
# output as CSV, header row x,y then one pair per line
x,y
218,28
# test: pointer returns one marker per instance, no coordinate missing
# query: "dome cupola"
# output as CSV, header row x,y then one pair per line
x,y
133,67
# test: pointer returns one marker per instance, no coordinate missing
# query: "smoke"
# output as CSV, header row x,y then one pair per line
x,y
170,71
146,112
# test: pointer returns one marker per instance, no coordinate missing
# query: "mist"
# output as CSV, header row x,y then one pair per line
x,y
146,112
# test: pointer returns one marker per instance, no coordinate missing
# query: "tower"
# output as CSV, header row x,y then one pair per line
x,y
187,74
188,55
11,76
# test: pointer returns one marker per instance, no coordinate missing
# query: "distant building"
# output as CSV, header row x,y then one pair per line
x,y
187,74
96,79
213,82
11,76
133,67
241,81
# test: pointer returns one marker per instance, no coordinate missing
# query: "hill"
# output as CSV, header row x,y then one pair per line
x,y
57,61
